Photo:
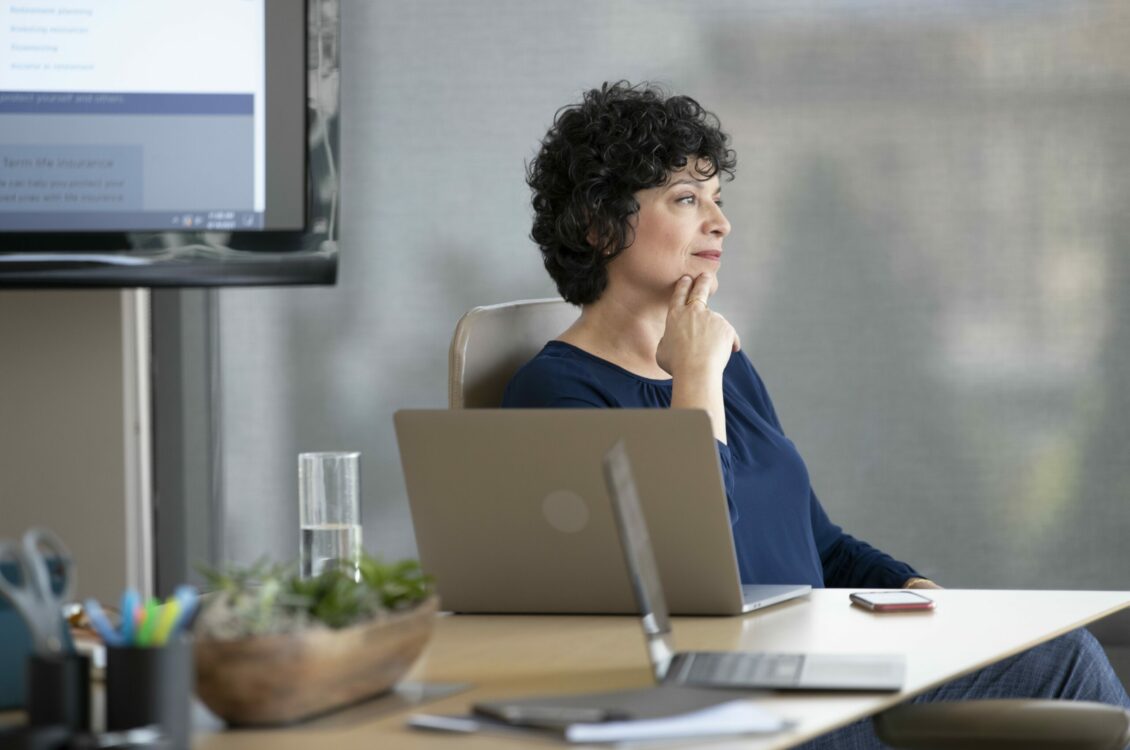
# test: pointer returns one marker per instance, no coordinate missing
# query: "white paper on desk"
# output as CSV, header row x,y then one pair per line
x,y
732,717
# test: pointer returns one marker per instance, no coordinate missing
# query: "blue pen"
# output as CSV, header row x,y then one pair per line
x,y
188,599
101,623
130,602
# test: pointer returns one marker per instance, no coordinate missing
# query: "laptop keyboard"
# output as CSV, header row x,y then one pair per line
x,y
708,668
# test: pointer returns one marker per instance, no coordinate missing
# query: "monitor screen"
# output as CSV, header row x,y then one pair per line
x,y
150,139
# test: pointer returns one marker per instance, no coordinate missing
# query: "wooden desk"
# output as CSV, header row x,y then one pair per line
x,y
519,655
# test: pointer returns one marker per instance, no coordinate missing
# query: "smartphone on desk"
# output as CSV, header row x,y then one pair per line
x,y
891,601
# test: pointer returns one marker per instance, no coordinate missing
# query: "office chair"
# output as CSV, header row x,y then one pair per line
x,y
1005,725
492,342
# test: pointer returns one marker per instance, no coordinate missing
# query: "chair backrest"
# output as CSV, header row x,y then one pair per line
x,y
492,342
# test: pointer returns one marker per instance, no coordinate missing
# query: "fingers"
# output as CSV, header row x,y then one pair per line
x,y
690,291
682,288
700,292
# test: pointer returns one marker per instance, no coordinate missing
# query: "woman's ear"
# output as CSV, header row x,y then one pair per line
x,y
593,238
604,240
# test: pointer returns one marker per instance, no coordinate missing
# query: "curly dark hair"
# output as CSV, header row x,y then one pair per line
x,y
618,140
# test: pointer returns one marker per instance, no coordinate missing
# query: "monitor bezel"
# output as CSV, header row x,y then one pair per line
x,y
308,255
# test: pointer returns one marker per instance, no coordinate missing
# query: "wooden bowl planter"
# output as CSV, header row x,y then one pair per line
x,y
278,679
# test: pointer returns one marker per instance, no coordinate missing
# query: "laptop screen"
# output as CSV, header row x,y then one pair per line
x,y
639,556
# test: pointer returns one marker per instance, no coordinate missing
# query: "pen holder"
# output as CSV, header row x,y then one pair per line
x,y
151,687
58,691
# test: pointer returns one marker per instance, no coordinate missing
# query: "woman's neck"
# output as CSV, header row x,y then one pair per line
x,y
622,332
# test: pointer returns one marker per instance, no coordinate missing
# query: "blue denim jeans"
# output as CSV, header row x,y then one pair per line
x,y
1072,667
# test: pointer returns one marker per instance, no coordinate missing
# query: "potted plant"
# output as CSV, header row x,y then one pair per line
x,y
274,648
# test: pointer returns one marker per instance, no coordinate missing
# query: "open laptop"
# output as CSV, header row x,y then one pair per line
x,y
512,515
884,672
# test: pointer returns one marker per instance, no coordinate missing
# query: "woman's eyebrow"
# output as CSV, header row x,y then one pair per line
x,y
690,181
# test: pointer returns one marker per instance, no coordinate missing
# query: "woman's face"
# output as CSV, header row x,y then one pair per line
x,y
678,232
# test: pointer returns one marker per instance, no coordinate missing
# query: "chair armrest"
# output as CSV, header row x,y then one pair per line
x,y
1004,724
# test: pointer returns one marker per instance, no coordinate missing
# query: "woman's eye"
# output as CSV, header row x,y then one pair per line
x,y
686,200
719,202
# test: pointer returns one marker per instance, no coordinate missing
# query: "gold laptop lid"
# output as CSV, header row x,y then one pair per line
x,y
511,513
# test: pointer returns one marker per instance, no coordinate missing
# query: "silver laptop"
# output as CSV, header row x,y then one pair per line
x,y
511,513
776,671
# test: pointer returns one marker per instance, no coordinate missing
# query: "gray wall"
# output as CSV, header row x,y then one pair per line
x,y
62,439
927,261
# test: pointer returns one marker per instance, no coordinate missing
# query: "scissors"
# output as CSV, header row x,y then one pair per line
x,y
34,597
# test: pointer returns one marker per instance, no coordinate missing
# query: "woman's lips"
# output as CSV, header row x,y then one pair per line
x,y
714,255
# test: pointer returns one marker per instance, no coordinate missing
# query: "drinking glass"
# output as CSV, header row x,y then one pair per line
x,y
329,512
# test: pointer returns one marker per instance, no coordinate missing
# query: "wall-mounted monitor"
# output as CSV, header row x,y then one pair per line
x,y
172,143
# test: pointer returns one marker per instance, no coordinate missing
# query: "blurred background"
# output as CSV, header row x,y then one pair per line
x,y
928,261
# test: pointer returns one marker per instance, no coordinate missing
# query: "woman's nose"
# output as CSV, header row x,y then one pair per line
x,y
717,223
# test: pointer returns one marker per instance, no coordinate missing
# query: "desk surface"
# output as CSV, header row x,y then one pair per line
x,y
525,655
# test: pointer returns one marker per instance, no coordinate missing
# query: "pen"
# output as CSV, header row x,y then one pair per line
x,y
101,624
188,599
129,616
167,616
148,623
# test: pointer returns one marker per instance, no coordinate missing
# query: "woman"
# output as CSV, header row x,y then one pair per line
x,y
628,217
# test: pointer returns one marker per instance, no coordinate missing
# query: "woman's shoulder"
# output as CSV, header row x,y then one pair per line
x,y
555,359
742,378
741,372
556,376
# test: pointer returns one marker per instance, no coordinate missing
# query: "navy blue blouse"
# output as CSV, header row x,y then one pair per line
x,y
781,532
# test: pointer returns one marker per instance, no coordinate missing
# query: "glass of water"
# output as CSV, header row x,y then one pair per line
x,y
329,512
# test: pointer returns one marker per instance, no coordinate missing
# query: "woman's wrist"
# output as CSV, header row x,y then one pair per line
x,y
697,372
688,395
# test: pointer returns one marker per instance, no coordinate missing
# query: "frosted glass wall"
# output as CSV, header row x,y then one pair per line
x,y
928,263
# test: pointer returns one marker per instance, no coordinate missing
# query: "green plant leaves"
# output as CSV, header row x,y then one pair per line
x,y
266,598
